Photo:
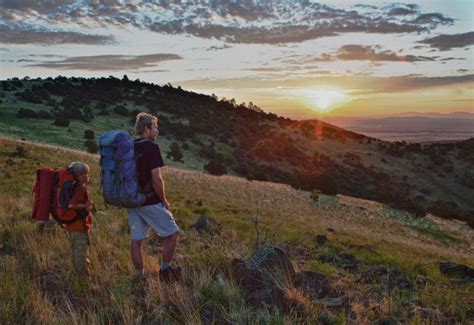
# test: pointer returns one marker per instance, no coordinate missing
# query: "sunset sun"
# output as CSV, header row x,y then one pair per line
x,y
325,100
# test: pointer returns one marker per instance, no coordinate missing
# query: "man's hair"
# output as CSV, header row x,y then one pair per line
x,y
144,120
79,168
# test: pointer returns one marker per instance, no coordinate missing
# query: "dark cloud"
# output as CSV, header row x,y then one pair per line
x,y
453,59
447,42
20,36
46,56
401,12
462,70
248,35
217,48
266,22
369,53
108,62
419,47
43,6
395,84
433,19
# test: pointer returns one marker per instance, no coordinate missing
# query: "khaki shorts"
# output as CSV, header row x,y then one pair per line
x,y
80,252
153,216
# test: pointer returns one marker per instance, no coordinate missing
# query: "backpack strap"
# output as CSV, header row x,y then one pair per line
x,y
148,189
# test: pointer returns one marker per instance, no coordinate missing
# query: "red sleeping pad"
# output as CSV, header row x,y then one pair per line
x,y
42,193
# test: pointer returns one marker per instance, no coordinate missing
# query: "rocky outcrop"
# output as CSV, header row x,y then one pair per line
x,y
313,285
344,260
207,225
380,274
265,276
457,270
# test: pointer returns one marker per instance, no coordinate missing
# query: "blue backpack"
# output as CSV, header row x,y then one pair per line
x,y
118,162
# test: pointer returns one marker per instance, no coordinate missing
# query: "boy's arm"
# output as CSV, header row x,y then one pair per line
x,y
77,197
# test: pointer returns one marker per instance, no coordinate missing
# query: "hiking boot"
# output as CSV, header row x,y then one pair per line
x,y
170,274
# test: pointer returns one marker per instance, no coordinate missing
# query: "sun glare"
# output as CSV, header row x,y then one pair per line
x,y
326,99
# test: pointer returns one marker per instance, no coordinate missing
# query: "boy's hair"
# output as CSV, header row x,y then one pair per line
x,y
144,120
79,168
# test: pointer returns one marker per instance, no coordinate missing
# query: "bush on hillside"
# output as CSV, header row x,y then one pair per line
x,y
104,111
215,167
61,121
326,184
91,146
175,152
89,134
121,110
29,113
26,113
135,112
448,210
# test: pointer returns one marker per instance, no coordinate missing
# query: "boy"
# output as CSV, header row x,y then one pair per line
x,y
79,229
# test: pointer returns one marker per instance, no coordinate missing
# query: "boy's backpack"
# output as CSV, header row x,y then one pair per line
x,y
53,190
120,186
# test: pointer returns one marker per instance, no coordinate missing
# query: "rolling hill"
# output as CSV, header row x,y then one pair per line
x,y
240,139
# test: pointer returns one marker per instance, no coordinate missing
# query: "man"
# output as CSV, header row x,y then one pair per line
x,y
154,213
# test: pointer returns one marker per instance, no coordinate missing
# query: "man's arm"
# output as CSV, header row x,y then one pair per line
x,y
159,186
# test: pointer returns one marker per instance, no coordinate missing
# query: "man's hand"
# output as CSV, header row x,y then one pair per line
x,y
159,186
166,204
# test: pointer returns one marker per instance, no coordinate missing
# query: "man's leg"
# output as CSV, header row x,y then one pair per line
x,y
137,256
169,247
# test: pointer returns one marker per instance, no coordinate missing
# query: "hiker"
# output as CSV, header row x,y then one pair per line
x,y
154,213
79,207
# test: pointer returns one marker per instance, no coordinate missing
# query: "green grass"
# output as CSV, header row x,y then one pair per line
x,y
425,227
325,269
44,131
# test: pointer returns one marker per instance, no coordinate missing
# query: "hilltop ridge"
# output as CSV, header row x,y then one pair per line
x,y
221,136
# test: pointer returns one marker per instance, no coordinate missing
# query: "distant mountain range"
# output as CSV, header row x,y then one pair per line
x,y
412,126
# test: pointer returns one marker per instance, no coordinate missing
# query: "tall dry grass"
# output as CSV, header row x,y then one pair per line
x,y
37,284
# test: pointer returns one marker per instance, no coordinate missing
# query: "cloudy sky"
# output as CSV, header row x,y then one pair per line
x,y
301,59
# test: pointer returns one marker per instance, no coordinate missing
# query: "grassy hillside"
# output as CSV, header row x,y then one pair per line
x,y
37,284
245,141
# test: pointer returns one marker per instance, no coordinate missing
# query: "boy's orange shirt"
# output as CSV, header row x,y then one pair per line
x,y
79,196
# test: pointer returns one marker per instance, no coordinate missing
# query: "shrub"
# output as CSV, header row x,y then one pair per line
x,y
104,111
89,134
443,209
121,110
26,113
29,113
44,114
326,184
135,112
61,121
19,152
175,152
215,167
91,146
